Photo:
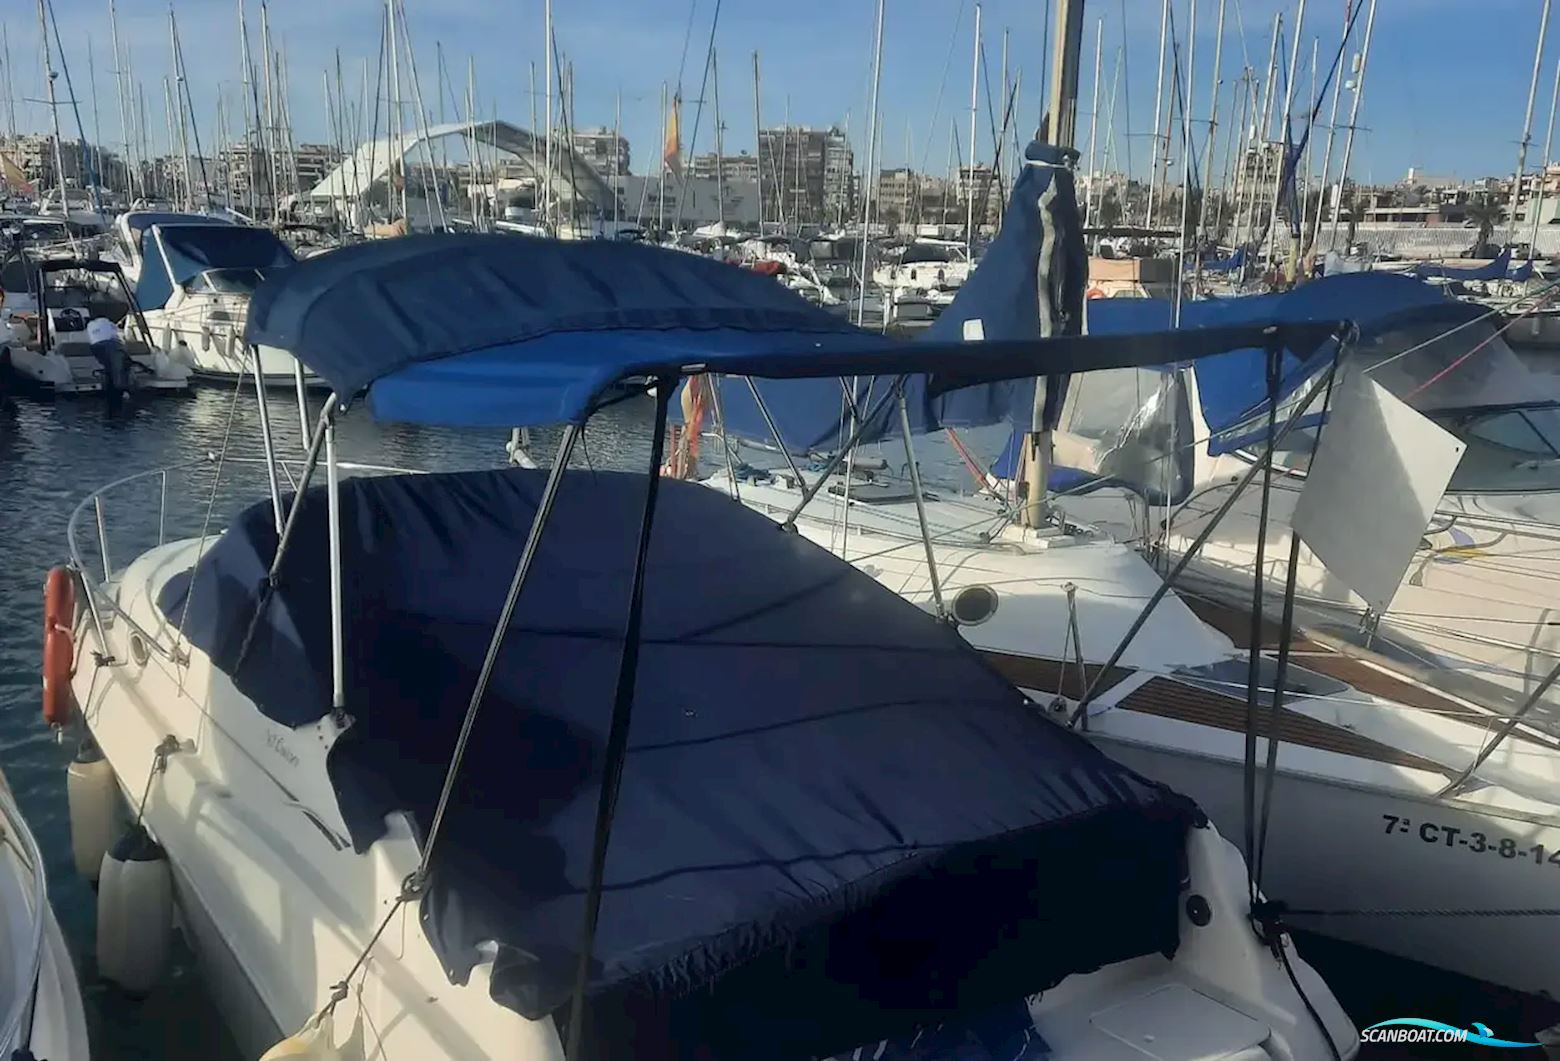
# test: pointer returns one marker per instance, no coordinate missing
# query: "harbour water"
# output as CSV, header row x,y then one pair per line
x,y
53,455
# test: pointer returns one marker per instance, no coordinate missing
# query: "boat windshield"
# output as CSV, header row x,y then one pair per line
x,y
236,281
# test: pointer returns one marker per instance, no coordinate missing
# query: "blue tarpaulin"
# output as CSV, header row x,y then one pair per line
x,y
1494,270
1226,265
836,821
494,330
1232,386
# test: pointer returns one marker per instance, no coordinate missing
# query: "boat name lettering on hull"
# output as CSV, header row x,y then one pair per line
x,y
279,745
1469,840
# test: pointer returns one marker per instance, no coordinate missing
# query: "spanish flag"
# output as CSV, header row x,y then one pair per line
x,y
11,174
671,152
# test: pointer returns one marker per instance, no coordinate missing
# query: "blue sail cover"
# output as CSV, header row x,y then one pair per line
x,y
496,330
1232,386
836,821
1226,265
1494,270
1001,294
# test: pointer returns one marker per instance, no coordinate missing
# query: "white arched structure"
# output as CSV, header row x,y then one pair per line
x,y
574,180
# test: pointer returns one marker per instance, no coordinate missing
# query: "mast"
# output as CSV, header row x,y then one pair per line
x,y
173,176
1310,144
273,185
1543,179
10,93
249,96
996,148
1527,118
1186,172
1262,123
866,198
397,154
119,91
1213,124
1282,138
547,82
720,152
617,163
1159,94
54,111
1062,122
758,144
1332,129
660,195
178,78
97,125
1094,124
969,189
421,125
471,139
1354,113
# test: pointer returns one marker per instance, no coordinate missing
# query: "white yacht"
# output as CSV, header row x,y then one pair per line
x,y
655,781
193,284
40,997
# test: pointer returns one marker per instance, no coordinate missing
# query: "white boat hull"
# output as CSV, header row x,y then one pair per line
x,y
1361,847
279,905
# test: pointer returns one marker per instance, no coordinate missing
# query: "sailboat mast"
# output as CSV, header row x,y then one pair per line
x,y
1260,133
1094,125
1354,113
1282,137
969,189
397,155
720,152
10,92
178,79
1310,142
1527,117
547,82
119,91
97,125
1332,128
1159,100
1062,122
273,185
1186,166
1216,86
866,198
54,112
1543,177
758,144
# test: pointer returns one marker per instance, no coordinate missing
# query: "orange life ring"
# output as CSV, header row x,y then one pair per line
x,y
1094,292
59,613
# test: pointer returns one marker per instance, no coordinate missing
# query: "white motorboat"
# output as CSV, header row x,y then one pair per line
x,y
40,997
128,239
70,326
194,286
735,800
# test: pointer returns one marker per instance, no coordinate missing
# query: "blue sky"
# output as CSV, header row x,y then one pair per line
x,y
1445,90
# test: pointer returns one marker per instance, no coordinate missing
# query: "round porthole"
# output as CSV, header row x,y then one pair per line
x,y
973,605
138,650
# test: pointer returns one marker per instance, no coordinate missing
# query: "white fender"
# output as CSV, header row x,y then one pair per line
x,y
316,1041
92,797
135,913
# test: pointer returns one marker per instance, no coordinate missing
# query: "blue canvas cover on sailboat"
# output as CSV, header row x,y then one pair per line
x,y
836,822
1232,386
1038,254
1226,265
497,330
1493,270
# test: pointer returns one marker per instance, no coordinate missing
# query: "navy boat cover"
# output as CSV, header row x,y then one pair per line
x,y
836,822
501,331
